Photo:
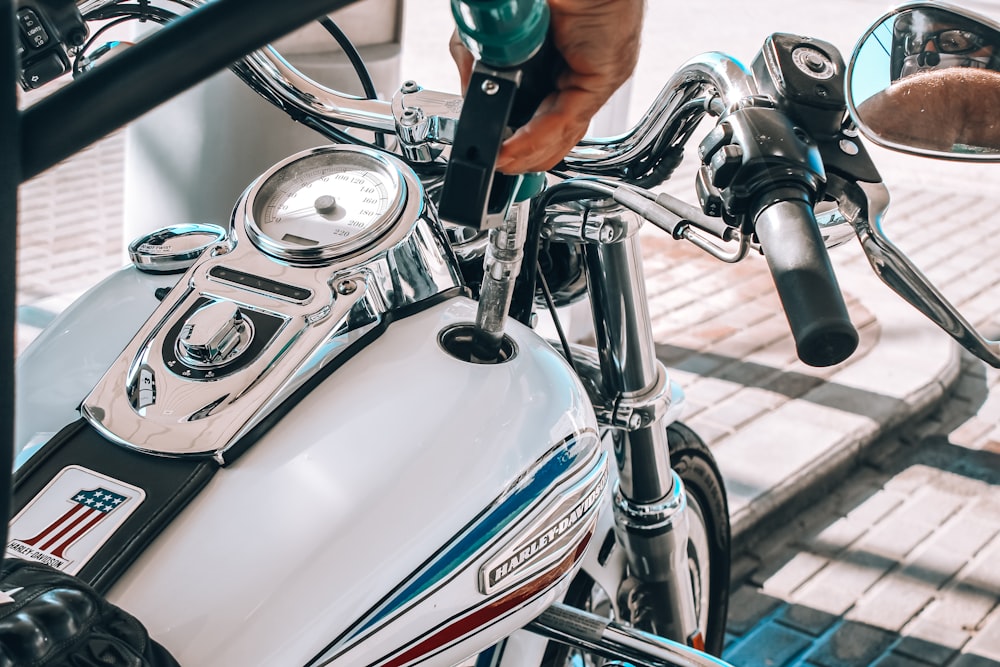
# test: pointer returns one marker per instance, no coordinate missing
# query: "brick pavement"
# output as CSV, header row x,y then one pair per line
x,y
776,425
69,233
896,567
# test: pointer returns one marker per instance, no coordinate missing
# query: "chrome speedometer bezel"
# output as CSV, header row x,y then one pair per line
x,y
325,253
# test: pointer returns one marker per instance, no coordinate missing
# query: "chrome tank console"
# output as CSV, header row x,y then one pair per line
x,y
325,248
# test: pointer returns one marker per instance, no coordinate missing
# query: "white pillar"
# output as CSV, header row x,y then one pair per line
x,y
189,160
612,119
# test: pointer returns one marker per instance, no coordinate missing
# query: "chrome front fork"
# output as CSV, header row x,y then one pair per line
x,y
649,499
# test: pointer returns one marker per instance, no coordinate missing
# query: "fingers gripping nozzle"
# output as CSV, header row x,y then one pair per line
x,y
513,74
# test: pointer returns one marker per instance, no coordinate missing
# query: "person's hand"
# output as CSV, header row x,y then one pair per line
x,y
938,109
599,42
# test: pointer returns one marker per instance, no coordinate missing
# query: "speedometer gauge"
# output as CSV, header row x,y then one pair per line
x,y
324,204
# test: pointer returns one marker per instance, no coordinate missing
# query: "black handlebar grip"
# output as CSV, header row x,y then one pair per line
x,y
806,284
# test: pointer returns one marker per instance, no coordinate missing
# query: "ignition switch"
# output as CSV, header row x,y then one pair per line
x,y
213,333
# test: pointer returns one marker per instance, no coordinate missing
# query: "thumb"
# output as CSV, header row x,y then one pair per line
x,y
463,59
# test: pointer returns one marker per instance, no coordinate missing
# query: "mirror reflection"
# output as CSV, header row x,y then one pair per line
x,y
928,79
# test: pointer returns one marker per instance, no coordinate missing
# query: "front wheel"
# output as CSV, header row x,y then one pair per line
x,y
709,539
708,550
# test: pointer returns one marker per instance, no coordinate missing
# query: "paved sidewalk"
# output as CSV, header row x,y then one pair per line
x,y
779,428
896,567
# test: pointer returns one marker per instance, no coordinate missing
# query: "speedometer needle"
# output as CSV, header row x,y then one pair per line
x,y
324,205
298,213
295,212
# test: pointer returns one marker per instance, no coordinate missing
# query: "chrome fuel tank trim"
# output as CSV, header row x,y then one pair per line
x,y
549,538
283,323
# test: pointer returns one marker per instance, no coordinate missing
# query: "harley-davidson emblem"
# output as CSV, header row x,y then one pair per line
x,y
65,524
549,538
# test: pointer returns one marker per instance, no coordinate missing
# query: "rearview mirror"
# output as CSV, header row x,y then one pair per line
x,y
925,79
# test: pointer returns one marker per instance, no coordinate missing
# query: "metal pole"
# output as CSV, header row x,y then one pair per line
x,y
10,178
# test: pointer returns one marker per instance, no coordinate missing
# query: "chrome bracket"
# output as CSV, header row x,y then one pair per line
x,y
590,226
633,411
425,120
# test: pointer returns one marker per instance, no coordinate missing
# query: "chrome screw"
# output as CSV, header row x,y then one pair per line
x,y
607,233
849,147
409,117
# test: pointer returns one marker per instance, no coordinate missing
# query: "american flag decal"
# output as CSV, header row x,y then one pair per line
x,y
65,524
89,507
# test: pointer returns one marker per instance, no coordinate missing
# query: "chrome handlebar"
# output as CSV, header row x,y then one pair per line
x,y
425,120
729,78
271,72
425,123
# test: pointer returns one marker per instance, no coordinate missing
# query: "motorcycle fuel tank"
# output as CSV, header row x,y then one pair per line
x,y
373,498
412,505
409,503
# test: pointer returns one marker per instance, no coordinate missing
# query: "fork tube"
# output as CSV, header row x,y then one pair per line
x,y
629,367
650,505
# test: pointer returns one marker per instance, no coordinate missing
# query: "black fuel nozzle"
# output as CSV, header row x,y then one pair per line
x,y
515,70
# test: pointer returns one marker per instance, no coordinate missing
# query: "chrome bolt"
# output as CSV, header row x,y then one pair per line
x,y
607,233
409,87
635,421
849,147
346,287
409,117
491,87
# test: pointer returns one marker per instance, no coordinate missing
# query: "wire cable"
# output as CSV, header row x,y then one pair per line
x,y
551,305
364,76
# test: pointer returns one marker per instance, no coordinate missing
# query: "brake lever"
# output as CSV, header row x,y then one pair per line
x,y
864,206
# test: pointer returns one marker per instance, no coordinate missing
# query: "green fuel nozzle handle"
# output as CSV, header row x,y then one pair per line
x,y
515,70
501,33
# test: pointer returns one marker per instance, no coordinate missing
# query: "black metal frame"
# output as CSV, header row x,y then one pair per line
x,y
163,65
10,178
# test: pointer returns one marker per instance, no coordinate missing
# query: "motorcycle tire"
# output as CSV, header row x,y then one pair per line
x,y
708,549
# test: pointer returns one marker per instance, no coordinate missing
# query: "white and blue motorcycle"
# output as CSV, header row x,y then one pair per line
x,y
328,434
